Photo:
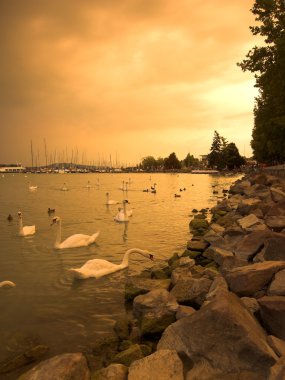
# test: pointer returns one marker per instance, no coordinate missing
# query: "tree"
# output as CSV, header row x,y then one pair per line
x,y
172,162
149,163
232,158
268,64
189,160
215,155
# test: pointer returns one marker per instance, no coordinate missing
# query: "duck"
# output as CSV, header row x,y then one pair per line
x,y
32,188
110,201
26,230
88,186
64,187
123,214
153,187
145,190
98,268
73,241
51,211
177,195
10,218
7,284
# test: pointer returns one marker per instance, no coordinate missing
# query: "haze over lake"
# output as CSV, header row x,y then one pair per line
x,y
68,315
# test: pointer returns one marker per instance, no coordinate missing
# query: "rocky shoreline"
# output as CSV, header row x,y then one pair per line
x,y
214,311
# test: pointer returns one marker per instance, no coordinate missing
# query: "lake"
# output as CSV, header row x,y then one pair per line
x,y
67,314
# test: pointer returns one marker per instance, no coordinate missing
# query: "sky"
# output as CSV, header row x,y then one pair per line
x,y
118,80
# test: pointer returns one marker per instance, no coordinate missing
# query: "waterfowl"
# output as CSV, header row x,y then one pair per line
x,y
7,284
73,241
64,187
145,190
32,188
110,201
177,195
51,211
10,218
26,230
123,214
98,268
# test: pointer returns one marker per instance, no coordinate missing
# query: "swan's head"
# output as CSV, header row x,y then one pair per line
x,y
19,214
125,201
55,220
107,194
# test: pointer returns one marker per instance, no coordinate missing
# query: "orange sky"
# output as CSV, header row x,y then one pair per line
x,y
126,77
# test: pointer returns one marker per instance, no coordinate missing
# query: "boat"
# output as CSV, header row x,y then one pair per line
x,y
205,171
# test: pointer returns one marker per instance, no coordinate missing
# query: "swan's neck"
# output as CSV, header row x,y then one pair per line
x,y
107,195
125,261
125,211
58,234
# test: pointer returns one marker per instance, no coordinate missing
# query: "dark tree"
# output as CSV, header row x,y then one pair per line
x,y
172,162
268,64
189,160
149,163
232,158
215,156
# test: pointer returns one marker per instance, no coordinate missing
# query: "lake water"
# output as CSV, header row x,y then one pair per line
x,y
67,314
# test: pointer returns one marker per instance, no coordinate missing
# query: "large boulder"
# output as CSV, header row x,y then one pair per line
x,y
272,314
278,345
223,333
239,187
129,355
249,279
275,223
137,285
112,372
277,371
191,291
277,286
252,223
197,245
155,311
247,205
163,364
274,248
60,367
259,191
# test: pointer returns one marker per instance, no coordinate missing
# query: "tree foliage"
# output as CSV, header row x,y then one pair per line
x,y
189,161
172,162
268,64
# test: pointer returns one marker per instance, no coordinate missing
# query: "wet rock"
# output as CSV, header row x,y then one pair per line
x,y
209,334
197,245
163,364
128,356
155,311
60,367
112,372
272,314
139,285
249,279
123,327
277,286
278,345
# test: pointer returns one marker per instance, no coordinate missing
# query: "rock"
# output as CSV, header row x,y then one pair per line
x,y
60,367
197,245
112,372
277,209
184,311
163,364
252,244
247,206
228,220
215,239
155,311
128,356
185,262
277,286
197,224
277,372
277,345
251,304
180,273
218,255
218,289
259,191
272,314
277,194
275,223
249,279
191,291
224,334
251,223
274,248
217,228
124,345
139,285
123,327
239,187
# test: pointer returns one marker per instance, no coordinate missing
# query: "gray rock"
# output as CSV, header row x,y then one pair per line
x,y
112,372
272,314
184,311
277,345
163,364
259,191
123,327
155,311
249,279
277,286
223,333
60,367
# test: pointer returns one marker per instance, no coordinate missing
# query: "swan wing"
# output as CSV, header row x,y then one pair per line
x,y
96,268
77,240
29,230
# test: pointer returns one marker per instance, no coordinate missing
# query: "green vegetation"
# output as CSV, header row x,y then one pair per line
x,y
268,64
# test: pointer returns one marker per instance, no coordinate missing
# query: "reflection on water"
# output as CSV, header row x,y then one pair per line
x,y
68,314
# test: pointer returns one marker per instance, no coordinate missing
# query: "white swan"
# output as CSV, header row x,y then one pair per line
x,y
64,187
32,188
123,186
7,284
73,241
98,268
110,201
26,230
123,214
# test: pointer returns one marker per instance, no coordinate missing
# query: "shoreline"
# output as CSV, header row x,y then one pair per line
x,y
217,309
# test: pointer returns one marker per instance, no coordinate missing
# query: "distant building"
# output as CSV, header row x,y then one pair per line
x,y
12,168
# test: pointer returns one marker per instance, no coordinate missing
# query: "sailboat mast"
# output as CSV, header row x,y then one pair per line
x,y
32,154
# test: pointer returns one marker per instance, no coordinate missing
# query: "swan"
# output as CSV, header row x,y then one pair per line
x,y
110,201
123,214
64,187
26,230
88,186
8,284
51,211
10,218
73,241
32,188
98,268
